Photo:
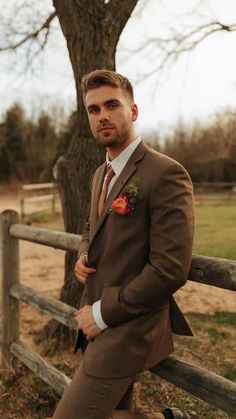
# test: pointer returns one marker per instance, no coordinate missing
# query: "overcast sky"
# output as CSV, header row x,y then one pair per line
x,y
201,82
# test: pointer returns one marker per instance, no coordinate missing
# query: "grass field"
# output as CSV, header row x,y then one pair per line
x,y
215,233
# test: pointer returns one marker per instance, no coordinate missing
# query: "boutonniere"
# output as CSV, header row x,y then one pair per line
x,y
125,203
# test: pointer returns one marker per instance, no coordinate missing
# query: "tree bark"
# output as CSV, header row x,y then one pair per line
x,y
92,30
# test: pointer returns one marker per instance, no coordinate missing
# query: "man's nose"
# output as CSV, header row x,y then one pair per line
x,y
104,116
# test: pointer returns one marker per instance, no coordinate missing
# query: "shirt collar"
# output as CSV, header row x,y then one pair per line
x,y
120,161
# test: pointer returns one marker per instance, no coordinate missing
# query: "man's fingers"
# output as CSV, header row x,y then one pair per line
x,y
84,269
87,270
82,273
80,276
82,264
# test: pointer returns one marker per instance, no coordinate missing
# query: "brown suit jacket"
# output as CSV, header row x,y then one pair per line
x,y
141,259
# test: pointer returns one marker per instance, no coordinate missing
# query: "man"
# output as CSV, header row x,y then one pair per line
x,y
135,253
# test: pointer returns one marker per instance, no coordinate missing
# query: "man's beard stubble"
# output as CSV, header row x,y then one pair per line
x,y
114,140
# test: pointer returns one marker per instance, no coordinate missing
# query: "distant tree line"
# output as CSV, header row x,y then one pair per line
x,y
207,150
29,149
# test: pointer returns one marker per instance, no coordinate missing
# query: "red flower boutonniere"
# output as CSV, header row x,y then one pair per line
x,y
125,203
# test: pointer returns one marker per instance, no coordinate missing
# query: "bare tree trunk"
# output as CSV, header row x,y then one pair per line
x,y
92,30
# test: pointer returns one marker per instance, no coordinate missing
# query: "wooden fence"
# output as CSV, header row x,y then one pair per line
x,y
39,187
215,193
205,385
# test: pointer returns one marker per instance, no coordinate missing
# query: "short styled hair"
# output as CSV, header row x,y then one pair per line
x,y
98,78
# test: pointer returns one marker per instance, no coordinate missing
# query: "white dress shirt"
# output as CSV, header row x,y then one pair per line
x,y
118,165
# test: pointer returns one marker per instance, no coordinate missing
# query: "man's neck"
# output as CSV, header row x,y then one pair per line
x,y
114,152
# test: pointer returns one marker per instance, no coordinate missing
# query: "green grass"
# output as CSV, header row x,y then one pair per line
x,y
224,317
215,231
40,217
45,219
217,335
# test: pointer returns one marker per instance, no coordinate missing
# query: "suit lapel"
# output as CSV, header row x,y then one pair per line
x,y
122,180
96,191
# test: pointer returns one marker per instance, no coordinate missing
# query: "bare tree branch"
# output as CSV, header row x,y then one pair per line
x,y
32,35
168,50
177,40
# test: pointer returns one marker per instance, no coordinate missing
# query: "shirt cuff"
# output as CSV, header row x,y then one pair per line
x,y
96,309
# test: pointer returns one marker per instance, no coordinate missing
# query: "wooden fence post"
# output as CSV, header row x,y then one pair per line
x,y
22,203
9,276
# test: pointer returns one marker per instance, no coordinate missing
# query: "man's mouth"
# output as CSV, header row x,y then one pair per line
x,y
105,128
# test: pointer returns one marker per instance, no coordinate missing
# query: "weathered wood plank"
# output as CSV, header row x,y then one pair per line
x,y
56,239
41,198
218,272
48,197
35,186
59,311
9,276
212,388
49,374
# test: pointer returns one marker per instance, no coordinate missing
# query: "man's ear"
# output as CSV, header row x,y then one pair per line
x,y
134,112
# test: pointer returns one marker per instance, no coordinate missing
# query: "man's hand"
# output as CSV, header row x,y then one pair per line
x,y
87,323
81,269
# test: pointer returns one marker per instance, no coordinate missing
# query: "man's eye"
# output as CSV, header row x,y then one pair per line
x,y
93,111
112,106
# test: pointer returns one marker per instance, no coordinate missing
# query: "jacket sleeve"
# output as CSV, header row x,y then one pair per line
x,y
85,241
84,245
170,250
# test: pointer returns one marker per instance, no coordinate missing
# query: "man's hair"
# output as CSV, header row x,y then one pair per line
x,y
98,78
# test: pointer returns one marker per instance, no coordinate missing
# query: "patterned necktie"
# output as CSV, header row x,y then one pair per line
x,y
110,174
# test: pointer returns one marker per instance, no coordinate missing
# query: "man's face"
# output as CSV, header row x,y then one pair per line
x,y
111,115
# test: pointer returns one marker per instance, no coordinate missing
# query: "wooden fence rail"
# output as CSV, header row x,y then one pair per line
x,y
207,270
50,197
215,193
207,386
